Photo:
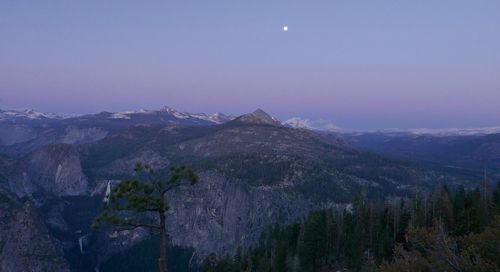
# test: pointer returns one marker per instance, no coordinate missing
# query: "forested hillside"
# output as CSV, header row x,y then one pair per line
x,y
436,232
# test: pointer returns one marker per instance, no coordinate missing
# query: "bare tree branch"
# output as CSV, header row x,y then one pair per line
x,y
171,187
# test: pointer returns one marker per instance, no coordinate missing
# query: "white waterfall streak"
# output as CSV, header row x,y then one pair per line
x,y
80,242
108,193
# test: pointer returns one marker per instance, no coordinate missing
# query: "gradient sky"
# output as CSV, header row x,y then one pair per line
x,y
360,64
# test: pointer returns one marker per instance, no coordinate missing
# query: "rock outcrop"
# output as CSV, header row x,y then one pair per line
x,y
26,244
52,170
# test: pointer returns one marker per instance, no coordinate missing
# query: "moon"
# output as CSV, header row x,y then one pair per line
x,y
285,28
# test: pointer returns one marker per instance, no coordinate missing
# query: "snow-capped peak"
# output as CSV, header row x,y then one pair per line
x,y
30,114
126,114
175,113
216,118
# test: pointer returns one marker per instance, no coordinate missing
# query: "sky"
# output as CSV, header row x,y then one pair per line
x,y
359,64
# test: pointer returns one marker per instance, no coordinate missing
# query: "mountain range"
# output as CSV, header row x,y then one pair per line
x,y
328,126
254,170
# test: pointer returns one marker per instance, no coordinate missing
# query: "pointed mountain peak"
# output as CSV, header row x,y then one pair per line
x,y
168,109
258,117
259,111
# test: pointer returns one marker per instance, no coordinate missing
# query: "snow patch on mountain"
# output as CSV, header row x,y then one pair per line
x,y
217,118
176,114
31,114
126,114
306,123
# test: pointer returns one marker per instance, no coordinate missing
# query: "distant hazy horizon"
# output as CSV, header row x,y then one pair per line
x,y
360,65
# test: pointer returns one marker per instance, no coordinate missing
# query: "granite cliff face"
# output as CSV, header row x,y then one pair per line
x,y
219,214
25,244
53,170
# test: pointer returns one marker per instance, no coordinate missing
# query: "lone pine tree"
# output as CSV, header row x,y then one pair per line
x,y
138,203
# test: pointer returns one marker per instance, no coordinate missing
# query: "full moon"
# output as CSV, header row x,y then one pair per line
x,y
285,28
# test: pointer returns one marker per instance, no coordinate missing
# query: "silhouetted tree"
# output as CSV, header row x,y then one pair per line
x,y
142,204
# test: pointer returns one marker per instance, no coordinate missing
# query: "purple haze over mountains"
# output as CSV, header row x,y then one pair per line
x,y
361,64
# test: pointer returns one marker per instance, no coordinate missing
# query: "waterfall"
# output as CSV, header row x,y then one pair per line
x,y
81,243
108,193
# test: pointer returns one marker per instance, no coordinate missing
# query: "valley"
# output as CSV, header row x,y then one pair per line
x,y
254,171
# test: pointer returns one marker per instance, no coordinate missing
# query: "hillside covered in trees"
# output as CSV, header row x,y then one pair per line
x,y
441,231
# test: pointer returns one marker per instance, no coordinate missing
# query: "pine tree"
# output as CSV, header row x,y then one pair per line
x,y
444,207
477,219
133,202
312,242
460,212
496,199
